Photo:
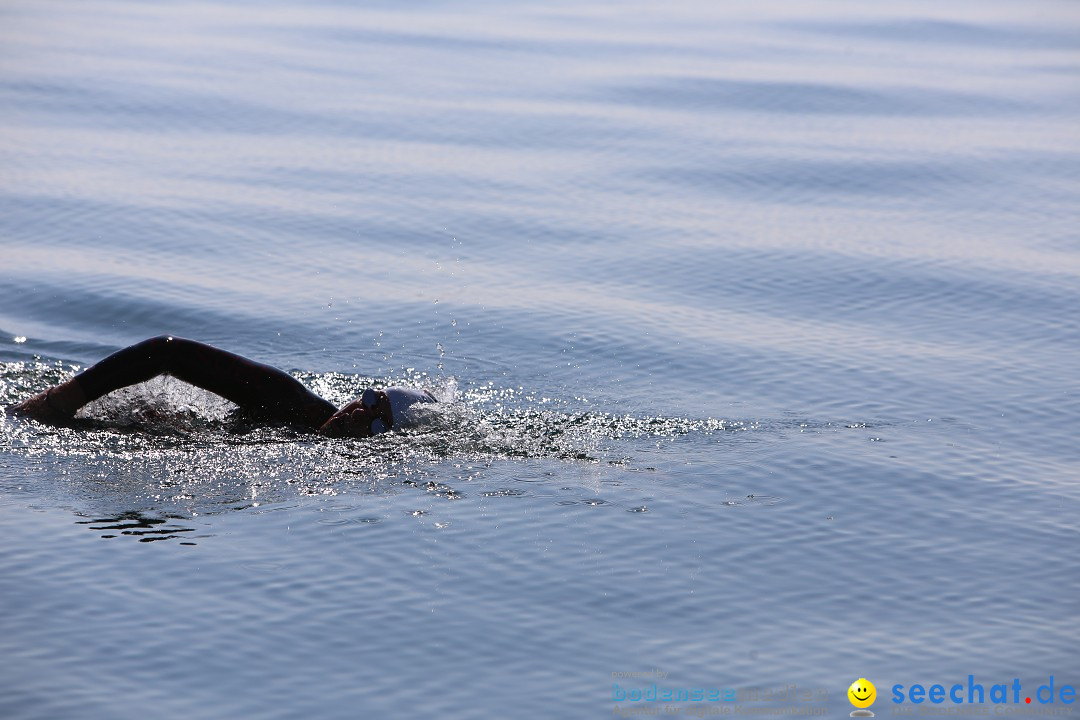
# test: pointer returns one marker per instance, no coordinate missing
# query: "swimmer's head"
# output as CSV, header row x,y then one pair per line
x,y
370,398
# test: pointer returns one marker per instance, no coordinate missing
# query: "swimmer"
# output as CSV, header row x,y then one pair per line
x,y
262,391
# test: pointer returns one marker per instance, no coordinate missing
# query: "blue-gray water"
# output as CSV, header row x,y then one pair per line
x,y
756,325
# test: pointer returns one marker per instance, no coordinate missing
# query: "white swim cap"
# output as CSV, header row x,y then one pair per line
x,y
370,398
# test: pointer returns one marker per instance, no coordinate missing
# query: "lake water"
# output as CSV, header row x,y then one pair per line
x,y
755,325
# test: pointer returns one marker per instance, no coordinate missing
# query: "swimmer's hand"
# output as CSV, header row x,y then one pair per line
x,y
342,423
55,406
353,420
41,409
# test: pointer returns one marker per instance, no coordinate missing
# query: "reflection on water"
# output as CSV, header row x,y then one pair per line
x,y
145,528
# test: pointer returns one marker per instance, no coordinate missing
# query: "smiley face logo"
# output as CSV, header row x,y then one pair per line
x,y
862,693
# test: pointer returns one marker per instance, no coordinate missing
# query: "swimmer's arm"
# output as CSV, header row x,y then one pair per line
x,y
252,385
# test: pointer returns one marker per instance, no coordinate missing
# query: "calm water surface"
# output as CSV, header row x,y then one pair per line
x,y
756,328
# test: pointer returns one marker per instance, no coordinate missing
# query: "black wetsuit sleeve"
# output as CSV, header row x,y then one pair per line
x,y
262,390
